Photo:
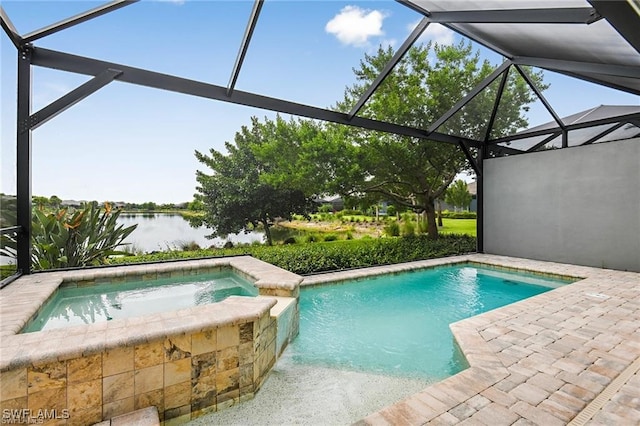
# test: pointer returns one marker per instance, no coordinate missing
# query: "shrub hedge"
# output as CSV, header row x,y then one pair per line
x,y
334,255
459,215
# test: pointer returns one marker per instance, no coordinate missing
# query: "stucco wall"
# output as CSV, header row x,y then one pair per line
x,y
577,205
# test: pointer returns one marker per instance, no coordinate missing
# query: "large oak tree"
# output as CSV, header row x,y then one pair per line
x,y
234,191
411,172
275,167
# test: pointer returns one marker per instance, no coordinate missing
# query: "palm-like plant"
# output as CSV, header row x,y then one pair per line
x,y
69,239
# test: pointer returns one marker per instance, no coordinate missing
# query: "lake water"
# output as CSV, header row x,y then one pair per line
x,y
163,231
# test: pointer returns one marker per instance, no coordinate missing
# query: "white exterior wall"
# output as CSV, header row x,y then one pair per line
x,y
576,205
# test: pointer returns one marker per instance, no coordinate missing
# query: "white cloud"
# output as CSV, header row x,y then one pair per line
x,y
434,32
178,2
354,26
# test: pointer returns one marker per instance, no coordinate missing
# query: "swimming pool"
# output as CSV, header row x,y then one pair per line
x,y
398,324
70,306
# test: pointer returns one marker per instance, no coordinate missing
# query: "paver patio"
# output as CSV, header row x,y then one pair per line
x,y
568,356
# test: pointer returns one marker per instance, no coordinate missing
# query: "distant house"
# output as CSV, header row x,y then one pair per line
x,y
336,202
71,203
473,190
609,132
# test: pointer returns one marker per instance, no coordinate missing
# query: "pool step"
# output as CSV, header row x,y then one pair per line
x,y
143,417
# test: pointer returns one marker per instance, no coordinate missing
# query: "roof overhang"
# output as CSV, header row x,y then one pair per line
x,y
595,40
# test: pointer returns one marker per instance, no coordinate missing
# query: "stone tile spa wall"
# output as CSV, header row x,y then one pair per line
x,y
186,362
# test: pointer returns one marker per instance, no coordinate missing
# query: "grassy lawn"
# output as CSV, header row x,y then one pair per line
x,y
365,225
458,226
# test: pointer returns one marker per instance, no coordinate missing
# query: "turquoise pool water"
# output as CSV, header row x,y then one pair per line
x,y
399,324
104,302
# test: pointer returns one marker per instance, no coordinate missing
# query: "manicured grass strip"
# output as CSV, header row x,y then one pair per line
x,y
458,226
7,271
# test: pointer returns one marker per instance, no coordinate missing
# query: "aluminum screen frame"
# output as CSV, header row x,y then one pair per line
x,y
595,40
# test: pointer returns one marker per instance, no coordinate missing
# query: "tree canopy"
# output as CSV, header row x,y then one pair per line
x,y
275,167
423,86
458,194
235,194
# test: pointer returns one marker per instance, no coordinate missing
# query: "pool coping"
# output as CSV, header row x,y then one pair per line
x,y
24,297
542,360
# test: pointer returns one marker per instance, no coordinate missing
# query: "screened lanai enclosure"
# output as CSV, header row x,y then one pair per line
x,y
572,198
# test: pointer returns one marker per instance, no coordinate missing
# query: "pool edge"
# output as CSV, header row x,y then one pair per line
x,y
148,360
514,383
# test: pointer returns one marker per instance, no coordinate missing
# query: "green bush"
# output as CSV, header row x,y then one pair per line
x,y
408,216
422,227
391,210
188,245
330,237
392,229
336,255
408,228
459,215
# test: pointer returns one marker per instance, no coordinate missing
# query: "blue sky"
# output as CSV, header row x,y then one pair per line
x,y
128,143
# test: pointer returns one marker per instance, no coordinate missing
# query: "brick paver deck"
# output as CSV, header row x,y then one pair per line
x,y
571,355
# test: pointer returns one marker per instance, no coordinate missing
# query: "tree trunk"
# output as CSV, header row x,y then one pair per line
x,y
267,231
432,227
